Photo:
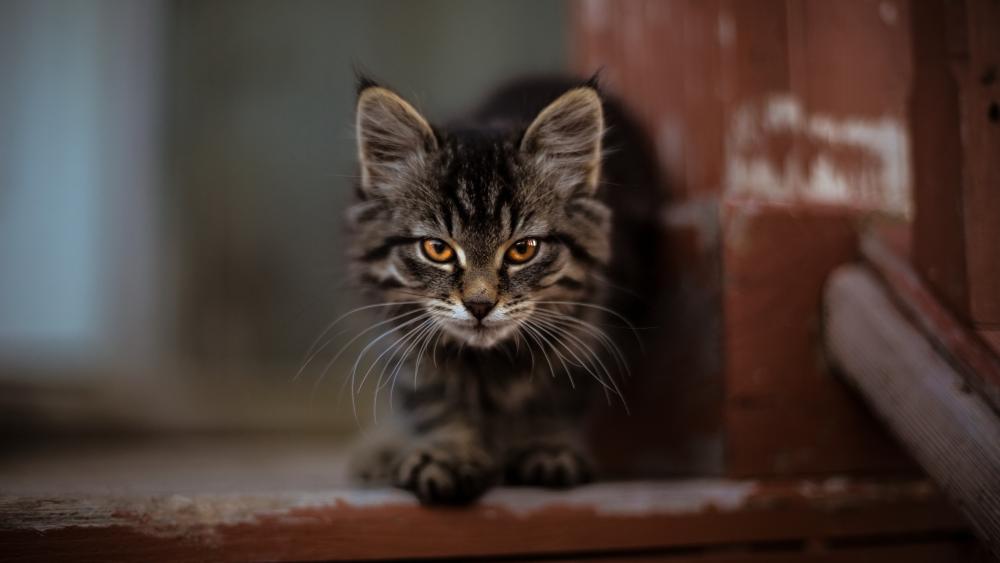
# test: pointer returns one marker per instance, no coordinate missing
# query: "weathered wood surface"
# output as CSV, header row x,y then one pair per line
x,y
381,524
797,103
953,433
785,412
955,119
974,359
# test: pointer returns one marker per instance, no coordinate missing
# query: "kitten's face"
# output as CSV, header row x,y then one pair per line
x,y
483,231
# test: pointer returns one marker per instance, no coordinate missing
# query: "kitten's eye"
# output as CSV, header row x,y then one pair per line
x,y
437,250
522,251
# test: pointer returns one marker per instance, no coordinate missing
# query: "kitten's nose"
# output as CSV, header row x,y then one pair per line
x,y
479,308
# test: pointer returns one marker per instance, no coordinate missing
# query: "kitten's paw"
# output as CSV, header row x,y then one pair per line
x,y
441,476
548,466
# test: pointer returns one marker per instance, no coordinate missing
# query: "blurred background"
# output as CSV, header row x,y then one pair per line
x,y
173,177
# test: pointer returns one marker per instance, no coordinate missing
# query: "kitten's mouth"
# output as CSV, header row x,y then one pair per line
x,y
480,334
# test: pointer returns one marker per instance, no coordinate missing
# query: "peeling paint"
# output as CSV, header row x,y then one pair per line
x,y
726,30
632,499
670,142
700,216
595,14
888,12
777,151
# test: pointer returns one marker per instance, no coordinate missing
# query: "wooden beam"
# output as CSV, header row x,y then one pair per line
x,y
973,358
924,400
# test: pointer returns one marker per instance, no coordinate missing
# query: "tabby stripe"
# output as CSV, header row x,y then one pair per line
x,y
577,207
569,283
382,250
388,283
575,248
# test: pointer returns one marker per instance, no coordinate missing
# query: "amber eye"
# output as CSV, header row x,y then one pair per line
x,y
437,250
522,251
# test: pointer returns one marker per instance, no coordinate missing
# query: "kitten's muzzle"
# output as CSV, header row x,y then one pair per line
x,y
479,308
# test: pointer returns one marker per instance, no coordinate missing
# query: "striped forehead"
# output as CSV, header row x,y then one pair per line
x,y
479,189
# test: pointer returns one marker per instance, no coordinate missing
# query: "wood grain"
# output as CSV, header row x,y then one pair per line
x,y
953,433
785,413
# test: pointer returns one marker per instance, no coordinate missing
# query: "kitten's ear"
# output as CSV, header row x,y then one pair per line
x,y
564,141
394,140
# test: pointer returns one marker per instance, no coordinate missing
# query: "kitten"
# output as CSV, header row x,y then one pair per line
x,y
494,238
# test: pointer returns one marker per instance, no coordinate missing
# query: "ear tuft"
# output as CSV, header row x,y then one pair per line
x,y
564,141
364,82
394,140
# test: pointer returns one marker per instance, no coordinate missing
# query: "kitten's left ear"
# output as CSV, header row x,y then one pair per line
x,y
564,141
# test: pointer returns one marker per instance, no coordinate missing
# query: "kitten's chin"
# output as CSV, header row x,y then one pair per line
x,y
479,335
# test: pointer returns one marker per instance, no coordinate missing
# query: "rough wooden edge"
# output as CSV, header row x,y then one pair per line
x,y
381,524
953,434
976,362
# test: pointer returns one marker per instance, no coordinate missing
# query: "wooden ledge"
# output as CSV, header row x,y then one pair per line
x,y
384,524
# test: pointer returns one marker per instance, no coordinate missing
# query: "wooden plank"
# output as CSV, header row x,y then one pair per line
x,y
957,551
981,146
977,363
956,136
785,413
954,434
381,524
935,123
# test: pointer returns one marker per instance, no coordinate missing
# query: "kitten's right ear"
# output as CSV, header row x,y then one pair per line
x,y
394,140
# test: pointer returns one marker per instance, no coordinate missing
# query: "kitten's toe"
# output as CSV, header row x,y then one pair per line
x,y
438,477
548,466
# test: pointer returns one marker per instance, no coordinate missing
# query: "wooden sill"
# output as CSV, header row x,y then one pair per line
x,y
286,500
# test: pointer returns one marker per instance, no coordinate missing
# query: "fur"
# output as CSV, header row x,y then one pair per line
x,y
498,398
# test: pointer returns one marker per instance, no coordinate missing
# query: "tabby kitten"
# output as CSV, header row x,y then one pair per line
x,y
493,243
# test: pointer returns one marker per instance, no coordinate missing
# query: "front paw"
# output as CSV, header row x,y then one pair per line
x,y
446,477
548,466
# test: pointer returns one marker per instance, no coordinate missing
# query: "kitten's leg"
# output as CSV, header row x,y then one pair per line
x,y
374,456
555,459
447,465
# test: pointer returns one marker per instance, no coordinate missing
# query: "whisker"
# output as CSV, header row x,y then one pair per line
x,y
349,342
436,331
528,333
364,350
395,376
542,336
560,335
412,334
594,360
609,344
330,326
635,331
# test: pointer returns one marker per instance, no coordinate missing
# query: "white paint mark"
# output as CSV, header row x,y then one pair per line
x,y
888,12
631,499
595,14
726,30
698,214
871,172
670,143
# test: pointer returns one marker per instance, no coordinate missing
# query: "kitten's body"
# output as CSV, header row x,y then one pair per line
x,y
503,356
